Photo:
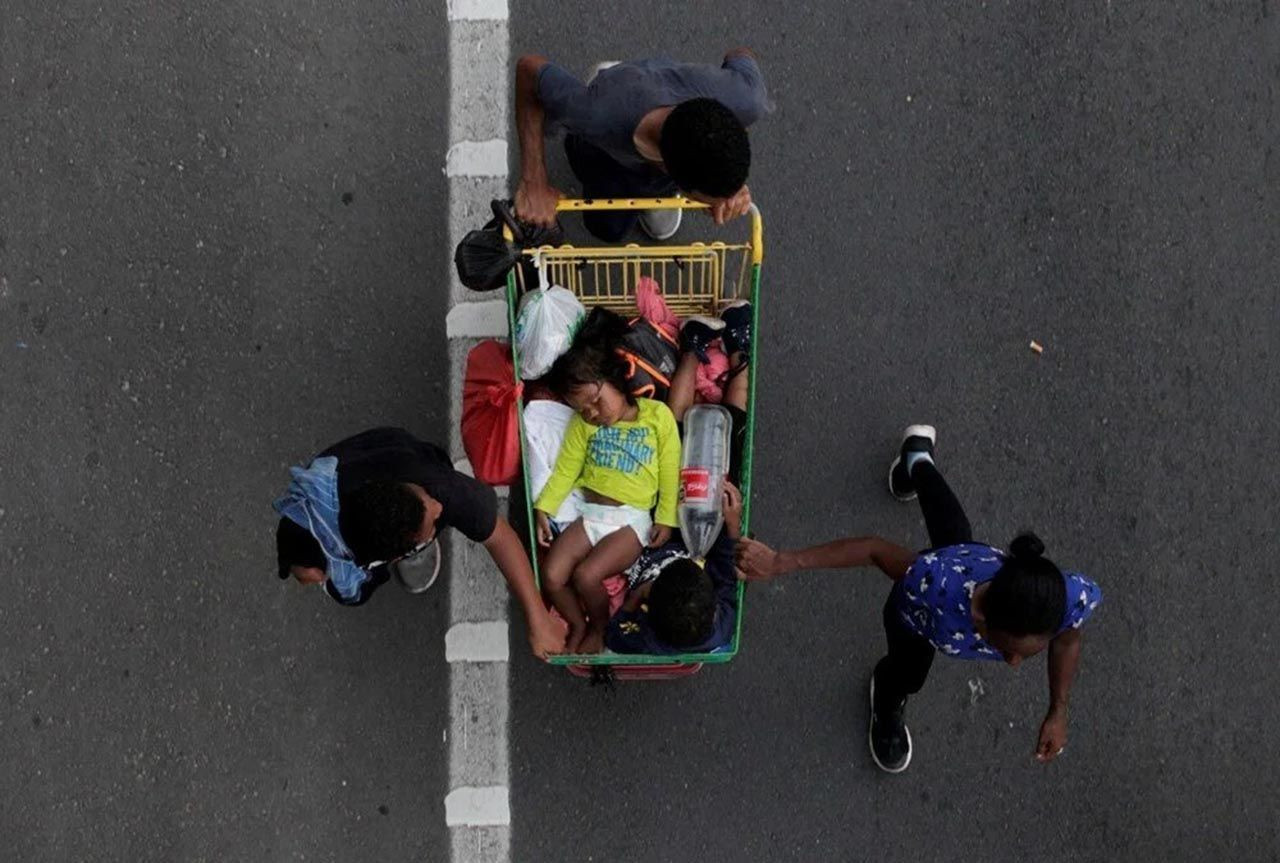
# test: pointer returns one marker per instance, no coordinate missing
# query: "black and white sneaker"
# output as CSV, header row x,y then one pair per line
x,y
737,327
888,736
660,224
697,333
918,438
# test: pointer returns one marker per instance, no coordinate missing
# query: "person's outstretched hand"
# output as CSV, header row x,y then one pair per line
x,y
731,207
1053,736
546,636
757,561
536,203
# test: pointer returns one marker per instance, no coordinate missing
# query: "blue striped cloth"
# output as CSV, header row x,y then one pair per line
x,y
311,502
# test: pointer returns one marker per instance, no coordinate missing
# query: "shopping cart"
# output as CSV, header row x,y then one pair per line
x,y
694,279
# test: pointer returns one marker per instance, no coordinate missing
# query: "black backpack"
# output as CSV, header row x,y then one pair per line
x,y
651,356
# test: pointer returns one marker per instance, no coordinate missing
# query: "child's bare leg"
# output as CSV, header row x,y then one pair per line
x,y
737,387
611,555
569,549
684,385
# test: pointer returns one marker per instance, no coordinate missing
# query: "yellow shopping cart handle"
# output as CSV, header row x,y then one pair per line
x,y
572,205
565,205
579,205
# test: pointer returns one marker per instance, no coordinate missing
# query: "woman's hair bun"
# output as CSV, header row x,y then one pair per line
x,y
1026,546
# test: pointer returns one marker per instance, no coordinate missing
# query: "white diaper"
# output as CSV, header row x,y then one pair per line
x,y
599,520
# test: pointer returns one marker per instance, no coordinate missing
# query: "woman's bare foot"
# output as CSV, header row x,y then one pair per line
x,y
593,642
573,641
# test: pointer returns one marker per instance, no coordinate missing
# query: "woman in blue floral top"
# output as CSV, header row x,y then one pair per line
x,y
965,599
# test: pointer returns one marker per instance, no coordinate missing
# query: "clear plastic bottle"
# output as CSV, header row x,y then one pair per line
x,y
704,463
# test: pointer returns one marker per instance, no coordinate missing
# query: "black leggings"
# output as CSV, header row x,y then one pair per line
x,y
943,517
904,668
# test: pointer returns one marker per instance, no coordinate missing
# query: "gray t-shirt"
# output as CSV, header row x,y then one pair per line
x,y
606,111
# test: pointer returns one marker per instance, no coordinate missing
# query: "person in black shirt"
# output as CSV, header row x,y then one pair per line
x,y
396,492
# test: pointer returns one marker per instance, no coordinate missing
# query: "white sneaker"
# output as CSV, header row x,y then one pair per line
x,y
660,224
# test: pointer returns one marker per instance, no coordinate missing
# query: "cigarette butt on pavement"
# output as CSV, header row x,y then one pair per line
x,y
1036,347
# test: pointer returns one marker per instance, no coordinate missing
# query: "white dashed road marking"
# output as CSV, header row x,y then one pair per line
x,y
477,807
478,803
477,642
477,10
482,319
477,159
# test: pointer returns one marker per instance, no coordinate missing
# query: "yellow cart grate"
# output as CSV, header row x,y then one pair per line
x,y
691,278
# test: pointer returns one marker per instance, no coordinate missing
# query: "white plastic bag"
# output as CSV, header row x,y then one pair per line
x,y
545,423
545,326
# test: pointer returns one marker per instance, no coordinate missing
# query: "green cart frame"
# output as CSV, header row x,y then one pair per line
x,y
693,279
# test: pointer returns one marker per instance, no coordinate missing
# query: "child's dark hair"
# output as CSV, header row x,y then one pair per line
x,y
682,604
593,356
380,520
1028,596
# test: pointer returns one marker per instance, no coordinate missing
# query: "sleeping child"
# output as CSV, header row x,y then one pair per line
x,y
623,453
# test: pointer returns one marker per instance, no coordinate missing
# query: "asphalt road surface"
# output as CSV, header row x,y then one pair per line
x,y
219,252
941,186
220,249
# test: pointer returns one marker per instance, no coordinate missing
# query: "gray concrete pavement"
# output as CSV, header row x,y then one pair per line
x,y
219,251
940,187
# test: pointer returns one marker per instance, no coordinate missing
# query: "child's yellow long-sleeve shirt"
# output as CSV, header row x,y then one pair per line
x,y
635,462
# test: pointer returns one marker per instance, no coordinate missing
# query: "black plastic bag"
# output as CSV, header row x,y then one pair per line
x,y
484,257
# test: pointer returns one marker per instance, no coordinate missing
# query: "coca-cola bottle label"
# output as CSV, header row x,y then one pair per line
x,y
695,484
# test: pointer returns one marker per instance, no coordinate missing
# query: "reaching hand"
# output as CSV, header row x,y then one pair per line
x,y
546,636
756,561
543,528
732,504
731,207
1053,736
659,535
536,203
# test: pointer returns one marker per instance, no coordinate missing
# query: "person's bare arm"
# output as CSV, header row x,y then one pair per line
x,y
535,196
545,637
1064,659
732,505
738,204
757,562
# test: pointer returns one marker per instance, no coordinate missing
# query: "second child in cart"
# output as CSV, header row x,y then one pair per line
x,y
673,605
624,454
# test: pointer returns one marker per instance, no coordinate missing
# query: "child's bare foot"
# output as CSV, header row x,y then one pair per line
x,y
593,642
573,641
